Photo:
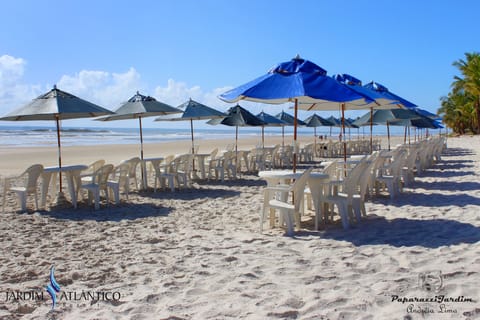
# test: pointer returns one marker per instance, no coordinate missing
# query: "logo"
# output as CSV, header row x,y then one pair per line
x,y
53,287
431,281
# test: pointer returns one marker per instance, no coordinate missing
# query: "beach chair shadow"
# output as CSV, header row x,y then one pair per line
x,y
404,232
124,211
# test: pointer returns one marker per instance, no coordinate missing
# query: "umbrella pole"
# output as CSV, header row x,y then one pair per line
x,y
388,134
295,137
408,134
405,136
263,137
283,137
344,141
371,130
236,148
60,193
314,141
144,168
193,144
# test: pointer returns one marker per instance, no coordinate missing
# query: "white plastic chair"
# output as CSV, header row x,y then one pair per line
x,y
178,172
86,175
23,185
390,175
119,180
164,168
290,212
225,165
98,184
134,162
346,195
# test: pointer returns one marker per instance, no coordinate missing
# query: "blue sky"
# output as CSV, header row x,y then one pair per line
x,y
105,50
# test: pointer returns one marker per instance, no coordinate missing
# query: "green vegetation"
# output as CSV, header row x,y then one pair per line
x,y
461,107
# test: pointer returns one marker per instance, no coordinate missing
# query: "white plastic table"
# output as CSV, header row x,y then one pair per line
x,y
72,174
316,182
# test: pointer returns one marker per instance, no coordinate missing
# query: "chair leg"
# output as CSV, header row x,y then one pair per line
x,y
97,199
287,216
36,201
343,211
22,197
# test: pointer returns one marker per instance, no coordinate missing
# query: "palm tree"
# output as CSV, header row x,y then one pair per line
x,y
458,113
469,83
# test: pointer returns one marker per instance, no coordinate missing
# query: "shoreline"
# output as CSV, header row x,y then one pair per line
x,y
19,158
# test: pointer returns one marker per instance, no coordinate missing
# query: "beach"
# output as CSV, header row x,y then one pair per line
x,y
199,254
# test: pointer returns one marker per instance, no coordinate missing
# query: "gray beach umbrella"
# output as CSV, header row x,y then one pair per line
x,y
193,110
56,105
316,121
138,107
290,120
238,117
385,117
270,121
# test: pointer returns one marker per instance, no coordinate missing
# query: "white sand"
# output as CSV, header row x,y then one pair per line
x,y
198,254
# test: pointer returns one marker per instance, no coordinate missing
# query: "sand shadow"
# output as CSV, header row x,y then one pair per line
x,y
457,152
191,194
444,174
402,232
433,200
448,185
111,212
244,181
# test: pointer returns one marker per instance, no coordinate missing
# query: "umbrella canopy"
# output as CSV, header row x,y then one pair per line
x,y
138,107
422,122
372,98
290,120
385,117
56,105
382,90
298,80
316,121
238,117
427,114
270,121
193,110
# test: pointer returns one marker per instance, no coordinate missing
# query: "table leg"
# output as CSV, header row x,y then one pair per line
x,y
201,164
46,176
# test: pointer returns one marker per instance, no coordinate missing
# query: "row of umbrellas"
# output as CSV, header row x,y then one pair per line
x,y
298,80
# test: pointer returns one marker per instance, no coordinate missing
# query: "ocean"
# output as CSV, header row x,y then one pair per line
x,y
27,136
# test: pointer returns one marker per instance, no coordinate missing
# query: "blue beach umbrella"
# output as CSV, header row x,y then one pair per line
x,y
381,89
376,100
297,80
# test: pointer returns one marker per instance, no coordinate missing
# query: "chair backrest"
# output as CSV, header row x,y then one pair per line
x,y
32,173
298,188
133,162
213,154
331,170
120,173
100,177
94,166
351,184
